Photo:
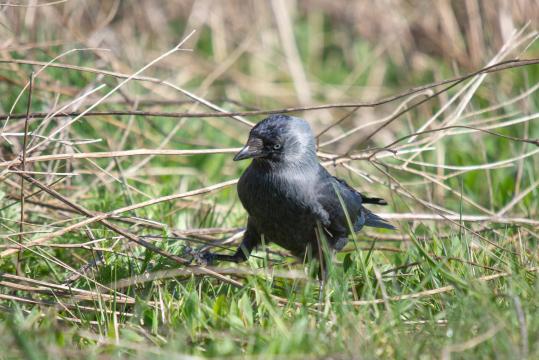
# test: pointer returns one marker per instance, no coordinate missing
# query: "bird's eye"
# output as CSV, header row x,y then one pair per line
x,y
276,146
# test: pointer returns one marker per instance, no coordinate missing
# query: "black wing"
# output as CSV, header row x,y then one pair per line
x,y
341,202
349,203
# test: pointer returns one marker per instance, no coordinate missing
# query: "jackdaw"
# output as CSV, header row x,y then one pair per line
x,y
289,195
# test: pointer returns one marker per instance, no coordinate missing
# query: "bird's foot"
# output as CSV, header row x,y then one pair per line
x,y
205,258
189,252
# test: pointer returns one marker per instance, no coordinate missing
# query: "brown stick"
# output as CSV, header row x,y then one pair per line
x,y
114,154
122,232
425,293
23,168
503,65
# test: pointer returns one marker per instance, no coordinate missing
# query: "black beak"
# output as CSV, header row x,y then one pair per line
x,y
251,150
244,153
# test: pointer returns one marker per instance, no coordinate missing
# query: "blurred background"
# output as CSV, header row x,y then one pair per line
x,y
253,55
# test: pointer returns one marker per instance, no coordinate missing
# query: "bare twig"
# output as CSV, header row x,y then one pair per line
x,y
426,293
508,64
115,154
23,168
116,229
464,217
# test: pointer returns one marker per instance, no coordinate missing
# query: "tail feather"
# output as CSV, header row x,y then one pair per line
x,y
372,200
376,221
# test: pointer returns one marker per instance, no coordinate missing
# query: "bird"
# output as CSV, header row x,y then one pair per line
x,y
289,196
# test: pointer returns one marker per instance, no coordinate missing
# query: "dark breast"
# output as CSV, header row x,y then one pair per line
x,y
280,208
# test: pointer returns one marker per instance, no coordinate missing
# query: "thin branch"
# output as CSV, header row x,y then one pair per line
x,y
117,87
432,292
50,3
23,168
118,230
493,68
508,64
468,218
123,153
529,141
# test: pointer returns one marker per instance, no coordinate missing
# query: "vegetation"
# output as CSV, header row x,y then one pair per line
x,y
125,177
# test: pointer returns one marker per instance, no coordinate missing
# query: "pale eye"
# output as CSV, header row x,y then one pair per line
x,y
276,146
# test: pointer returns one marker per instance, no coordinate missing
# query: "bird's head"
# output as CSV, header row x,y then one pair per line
x,y
280,139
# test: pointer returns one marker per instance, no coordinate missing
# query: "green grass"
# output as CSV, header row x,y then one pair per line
x,y
425,296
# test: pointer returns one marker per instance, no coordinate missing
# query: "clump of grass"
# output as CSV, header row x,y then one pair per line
x,y
127,174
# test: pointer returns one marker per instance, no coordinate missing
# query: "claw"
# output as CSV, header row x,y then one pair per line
x,y
205,258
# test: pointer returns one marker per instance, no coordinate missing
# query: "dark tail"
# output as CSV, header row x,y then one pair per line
x,y
374,220
373,200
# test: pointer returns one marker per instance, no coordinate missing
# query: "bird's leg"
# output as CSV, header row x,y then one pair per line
x,y
340,243
249,242
239,256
